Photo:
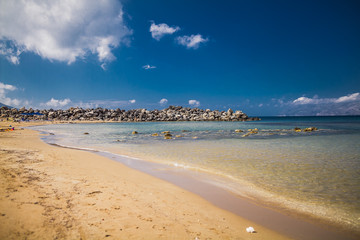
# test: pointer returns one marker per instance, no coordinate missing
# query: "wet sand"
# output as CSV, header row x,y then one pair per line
x,y
47,192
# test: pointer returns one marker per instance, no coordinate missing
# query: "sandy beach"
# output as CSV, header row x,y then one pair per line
x,y
49,192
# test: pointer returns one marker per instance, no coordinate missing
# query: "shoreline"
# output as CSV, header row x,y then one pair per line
x,y
288,226
289,222
51,192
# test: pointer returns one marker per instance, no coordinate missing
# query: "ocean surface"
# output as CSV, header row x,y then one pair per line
x,y
316,173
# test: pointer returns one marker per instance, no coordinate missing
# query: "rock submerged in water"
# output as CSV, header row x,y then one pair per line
x,y
172,113
134,132
297,129
250,132
310,129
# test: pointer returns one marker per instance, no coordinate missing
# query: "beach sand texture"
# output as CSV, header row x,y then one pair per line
x,y
48,192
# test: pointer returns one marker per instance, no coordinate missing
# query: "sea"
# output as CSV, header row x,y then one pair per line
x,y
315,172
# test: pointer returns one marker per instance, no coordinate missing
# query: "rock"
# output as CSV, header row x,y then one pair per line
x,y
134,132
297,129
86,133
310,129
168,135
238,130
155,134
246,135
178,136
172,113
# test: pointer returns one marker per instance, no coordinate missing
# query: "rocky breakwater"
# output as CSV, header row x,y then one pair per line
x,y
171,113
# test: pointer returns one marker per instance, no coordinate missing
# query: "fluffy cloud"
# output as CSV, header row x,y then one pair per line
x,y
54,103
192,41
315,100
348,98
305,100
194,103
344,105
62,30
104,103
162,29
163,101
4,89
147,67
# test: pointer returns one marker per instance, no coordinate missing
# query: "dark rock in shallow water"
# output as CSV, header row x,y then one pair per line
x,y
172,113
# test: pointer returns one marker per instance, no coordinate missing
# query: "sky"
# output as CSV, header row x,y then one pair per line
x,y
266,58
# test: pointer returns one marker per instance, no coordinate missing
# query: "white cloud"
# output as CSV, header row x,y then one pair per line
x,y
305,100
194,103
192,41
160,30
104,103
163,101
54,103
62,30
147,67
344,105
348,98
315,100
4,89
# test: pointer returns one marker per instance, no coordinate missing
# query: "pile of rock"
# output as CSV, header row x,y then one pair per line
x,y
171,113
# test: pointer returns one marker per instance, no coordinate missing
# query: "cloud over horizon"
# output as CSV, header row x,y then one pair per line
x,y
4,89
63,31
194,103
317,100
344,105
163,101
54,103
160,30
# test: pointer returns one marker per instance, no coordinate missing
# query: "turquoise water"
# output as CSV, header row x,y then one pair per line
x,y
316,173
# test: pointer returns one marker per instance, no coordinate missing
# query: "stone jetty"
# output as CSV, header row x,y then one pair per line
x,y
172,113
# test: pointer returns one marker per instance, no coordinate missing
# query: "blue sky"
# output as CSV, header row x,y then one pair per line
x,y
262,57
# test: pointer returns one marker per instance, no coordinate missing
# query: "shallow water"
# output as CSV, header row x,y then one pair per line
x,y
316,172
